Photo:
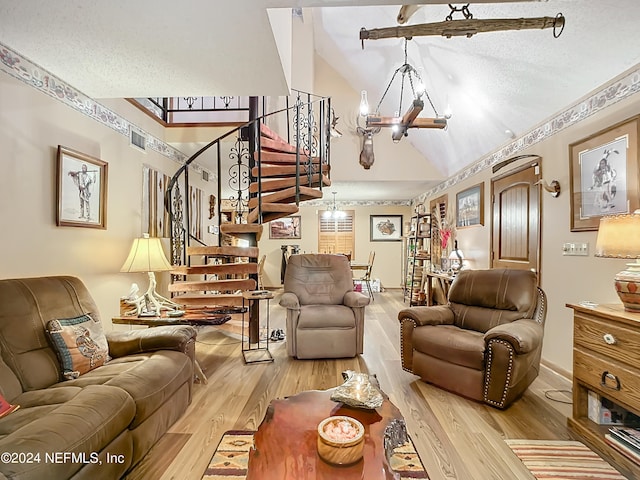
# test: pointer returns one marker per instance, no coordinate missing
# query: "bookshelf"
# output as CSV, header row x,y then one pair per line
x,y
418,258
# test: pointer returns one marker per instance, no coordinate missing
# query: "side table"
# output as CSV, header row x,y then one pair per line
x,y
259,351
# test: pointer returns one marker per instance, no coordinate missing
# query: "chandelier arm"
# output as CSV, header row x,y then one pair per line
x,y
386,90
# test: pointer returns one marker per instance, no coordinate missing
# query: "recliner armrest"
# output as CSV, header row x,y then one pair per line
x,y
524,335
290,300
434,315
178,337
355,299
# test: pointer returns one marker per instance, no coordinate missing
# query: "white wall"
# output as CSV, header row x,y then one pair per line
x,y
32,125
387,265
565,279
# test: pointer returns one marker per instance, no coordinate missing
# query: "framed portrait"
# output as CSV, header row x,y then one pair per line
x,y
286,228
604,174
386,228
81,190
470,206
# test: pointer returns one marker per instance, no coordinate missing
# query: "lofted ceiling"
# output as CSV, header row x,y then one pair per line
x,y
497,85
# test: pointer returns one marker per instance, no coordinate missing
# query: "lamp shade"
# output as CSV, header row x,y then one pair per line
x,y
619,236
146,255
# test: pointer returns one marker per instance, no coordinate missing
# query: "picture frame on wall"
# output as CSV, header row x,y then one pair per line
x,y
286,228
470,206
385,228
604,174
81,190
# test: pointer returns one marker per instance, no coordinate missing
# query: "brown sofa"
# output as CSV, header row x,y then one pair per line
x,y
486,343
101,423
325,317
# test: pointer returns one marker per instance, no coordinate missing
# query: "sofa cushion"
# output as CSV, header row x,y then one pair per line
x,y
79,343
149,378
66,419
451,344
326,316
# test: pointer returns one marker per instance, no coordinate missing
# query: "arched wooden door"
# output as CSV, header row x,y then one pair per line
x,y
515,241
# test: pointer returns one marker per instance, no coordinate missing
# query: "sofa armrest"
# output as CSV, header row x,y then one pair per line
x,y
435,315
524,335
290,300
178,337
355,299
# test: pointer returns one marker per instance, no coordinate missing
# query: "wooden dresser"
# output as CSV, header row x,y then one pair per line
x,y
606,360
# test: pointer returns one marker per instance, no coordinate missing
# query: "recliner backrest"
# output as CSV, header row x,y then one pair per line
x,y
318,278
26,305
482,299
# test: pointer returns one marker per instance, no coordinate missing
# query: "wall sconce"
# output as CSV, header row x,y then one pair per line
x,y
553,188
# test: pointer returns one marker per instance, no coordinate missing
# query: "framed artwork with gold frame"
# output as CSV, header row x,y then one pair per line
x,y
604,174
81,190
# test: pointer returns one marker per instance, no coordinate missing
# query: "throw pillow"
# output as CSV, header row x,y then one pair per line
x,y
79,343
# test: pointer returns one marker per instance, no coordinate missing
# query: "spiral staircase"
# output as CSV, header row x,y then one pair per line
x,y
280,175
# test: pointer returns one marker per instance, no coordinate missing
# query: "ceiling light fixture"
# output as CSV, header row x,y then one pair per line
x,y
400,125
334,213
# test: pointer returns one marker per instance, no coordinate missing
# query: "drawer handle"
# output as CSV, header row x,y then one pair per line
x,y
609,339
606,375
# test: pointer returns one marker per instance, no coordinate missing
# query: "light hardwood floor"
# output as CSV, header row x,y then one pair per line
x,y
456,438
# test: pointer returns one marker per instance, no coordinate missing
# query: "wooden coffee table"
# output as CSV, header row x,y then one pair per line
x,y
285,443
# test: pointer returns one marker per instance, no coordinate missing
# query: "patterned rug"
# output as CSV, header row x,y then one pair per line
x,y
562,460
230,460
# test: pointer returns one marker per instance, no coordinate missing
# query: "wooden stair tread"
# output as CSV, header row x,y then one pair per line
x,y
286,158
267,132
285,170
209,299
287,195
231,228
217,285
213,251
271,211
236,268
280,183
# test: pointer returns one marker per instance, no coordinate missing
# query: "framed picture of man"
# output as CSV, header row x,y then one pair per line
x,y
81,190
604,174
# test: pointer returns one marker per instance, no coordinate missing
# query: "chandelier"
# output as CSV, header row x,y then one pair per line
x,y
409,79
333,212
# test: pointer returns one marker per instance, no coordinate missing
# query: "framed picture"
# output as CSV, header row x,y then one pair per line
x,y
386,228
604,174
286,228
81,189
470,206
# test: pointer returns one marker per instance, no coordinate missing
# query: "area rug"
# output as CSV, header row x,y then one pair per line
x,y
231,458
562,460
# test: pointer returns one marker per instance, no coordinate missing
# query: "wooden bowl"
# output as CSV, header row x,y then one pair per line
x,y
343,449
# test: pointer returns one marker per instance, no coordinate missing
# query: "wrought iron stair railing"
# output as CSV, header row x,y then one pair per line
x,y
268,171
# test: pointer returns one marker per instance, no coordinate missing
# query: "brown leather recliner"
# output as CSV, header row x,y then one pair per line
x,y
486,343
325,317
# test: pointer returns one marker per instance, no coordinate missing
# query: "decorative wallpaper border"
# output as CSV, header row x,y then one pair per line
x,y
358,203
621,87
21,68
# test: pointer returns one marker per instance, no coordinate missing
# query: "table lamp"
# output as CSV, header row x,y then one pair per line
x,y
619,237
147,255
455,258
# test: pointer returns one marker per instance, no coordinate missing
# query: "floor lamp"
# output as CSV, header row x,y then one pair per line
x,y
147,255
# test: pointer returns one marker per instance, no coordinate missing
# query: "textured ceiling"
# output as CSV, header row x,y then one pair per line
x,y
494,83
